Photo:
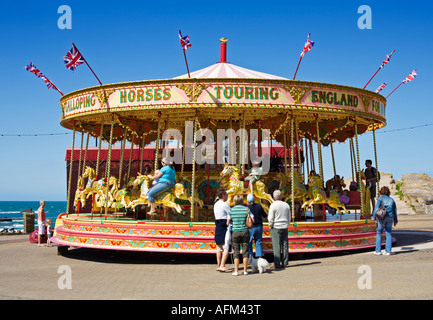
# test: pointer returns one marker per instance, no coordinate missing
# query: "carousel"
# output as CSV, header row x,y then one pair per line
x,y
213,124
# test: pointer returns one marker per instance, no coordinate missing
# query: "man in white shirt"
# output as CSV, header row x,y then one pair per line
x,y
222,232
279,219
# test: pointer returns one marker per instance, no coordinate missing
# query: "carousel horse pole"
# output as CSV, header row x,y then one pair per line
x,y
70,172
109,165
193,170
359,166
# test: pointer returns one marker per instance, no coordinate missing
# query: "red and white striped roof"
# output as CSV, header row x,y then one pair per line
x,y
223,69
228,70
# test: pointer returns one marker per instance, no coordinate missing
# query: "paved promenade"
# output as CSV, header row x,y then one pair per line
x,y
30,272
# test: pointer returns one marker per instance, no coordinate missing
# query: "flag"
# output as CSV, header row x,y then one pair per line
x,y
383,85
410,77
32,68
73,59
384,62
184,42
307,46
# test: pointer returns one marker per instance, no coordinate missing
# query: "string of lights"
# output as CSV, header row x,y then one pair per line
x,y
67,133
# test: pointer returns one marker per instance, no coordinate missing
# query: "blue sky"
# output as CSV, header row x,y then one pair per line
x,y
138,40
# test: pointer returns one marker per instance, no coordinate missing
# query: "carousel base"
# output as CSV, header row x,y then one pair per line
x,y
113,233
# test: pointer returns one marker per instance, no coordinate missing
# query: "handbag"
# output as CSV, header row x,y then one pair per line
x,y
381,212
248,221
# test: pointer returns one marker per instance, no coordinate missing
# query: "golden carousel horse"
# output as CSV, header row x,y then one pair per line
x,y
92,186
232,183
319,195
286,184
166,198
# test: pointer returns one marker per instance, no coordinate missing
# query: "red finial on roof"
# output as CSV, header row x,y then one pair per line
x,y
223,50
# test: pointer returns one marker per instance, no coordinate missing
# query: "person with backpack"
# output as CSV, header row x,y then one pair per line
x,y
371,177
385,213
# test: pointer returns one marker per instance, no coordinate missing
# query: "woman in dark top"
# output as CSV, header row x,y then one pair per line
x,y
256,231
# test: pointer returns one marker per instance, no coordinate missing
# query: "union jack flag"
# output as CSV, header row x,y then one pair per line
x,y
384,62
383,85
410,77
73,59
307,46
184,42
32,68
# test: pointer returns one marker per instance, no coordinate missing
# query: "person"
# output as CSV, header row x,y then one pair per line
x,y
279,218
222,233
370,180
256,232
166,181
49,232
41,221
240,235
386,224
254,175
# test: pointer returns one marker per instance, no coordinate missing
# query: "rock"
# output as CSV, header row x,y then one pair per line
x,y
418,186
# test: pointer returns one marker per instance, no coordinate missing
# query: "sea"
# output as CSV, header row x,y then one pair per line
x,y
12,210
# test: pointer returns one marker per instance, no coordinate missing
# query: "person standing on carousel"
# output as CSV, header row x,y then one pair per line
x,y
370,180
165,180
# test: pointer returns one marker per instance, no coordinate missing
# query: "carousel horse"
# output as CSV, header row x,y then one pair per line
x,y
319,195
234,186
300,192
92,187
166,198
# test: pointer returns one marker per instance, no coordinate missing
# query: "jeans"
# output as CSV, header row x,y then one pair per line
x,y
159,188
280,246
256,233
381,225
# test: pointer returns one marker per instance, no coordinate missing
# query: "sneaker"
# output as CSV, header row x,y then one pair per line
x,y
234,273
245,273
377,253
387,253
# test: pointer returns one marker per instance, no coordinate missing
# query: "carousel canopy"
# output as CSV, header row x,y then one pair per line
x,y
223,96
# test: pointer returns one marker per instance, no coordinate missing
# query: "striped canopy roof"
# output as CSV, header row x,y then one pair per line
x,y
228,70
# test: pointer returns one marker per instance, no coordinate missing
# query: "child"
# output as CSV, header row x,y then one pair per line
x,y
254,175
49,232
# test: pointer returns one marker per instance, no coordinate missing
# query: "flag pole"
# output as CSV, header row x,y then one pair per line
x,y
377,71
186,62
394,90
87,64
294,76
371,78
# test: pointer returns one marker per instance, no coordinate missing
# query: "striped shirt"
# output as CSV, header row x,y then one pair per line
x,y
238,215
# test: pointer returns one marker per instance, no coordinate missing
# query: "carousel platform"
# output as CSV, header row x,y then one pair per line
x,y
112,233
